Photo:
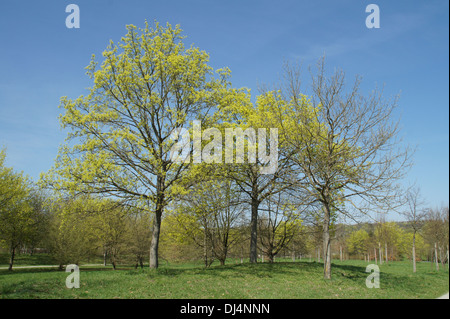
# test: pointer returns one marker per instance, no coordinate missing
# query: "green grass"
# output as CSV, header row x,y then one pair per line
x,y
27,260
281,280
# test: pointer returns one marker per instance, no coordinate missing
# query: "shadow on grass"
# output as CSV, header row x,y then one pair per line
x,y
260,270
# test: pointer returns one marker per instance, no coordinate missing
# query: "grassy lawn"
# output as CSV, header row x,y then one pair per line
x,y
281,280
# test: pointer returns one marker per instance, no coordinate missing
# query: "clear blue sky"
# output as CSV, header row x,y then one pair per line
x,y
42,60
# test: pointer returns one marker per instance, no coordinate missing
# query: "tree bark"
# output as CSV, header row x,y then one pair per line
x,y
154,246
254,231
105,254
414,252
326,244
386,252
11,257
380,253
205,247
436,256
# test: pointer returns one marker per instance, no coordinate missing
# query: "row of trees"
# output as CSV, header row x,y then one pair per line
x,y
385,241
337,151
22,212
209,224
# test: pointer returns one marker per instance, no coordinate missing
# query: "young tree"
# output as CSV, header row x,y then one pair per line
x,y
139,235
70,237
436,232
348,153
17,217
358,242
107,219
267,171
215,208
148,87
278,225
415,215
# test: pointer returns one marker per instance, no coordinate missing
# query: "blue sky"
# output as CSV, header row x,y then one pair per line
x,y
42,60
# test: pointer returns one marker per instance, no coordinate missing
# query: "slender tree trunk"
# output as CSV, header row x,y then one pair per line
x,y
375,255
380,252
447,258
205,248
436,256
414,252
11,257
386,252
105,254
254,231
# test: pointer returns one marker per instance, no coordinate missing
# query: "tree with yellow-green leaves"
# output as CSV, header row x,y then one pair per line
x,y
358,242
279,223
71,238
120,140
210,216
19,220
265,170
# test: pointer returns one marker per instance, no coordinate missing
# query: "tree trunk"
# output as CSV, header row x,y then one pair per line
x,y
155,240
414,252
11,257
205,247
326,244
386,252
254,231
105,254
436,256
154,246
380,252
447,258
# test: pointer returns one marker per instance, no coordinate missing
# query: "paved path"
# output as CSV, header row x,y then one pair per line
x,y
46,266
444,296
